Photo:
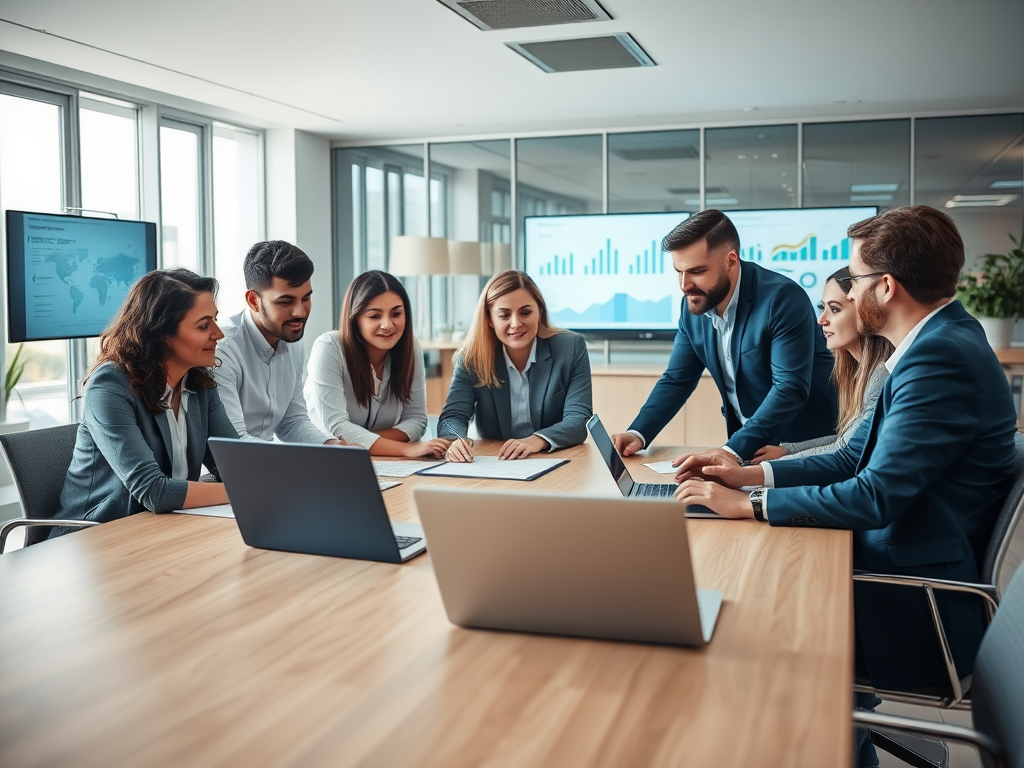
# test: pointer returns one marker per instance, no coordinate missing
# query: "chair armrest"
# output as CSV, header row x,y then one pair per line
x,y
989,594
18,522
943,731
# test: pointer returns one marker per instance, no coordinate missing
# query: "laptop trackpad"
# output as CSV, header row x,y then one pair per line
x,y
709,603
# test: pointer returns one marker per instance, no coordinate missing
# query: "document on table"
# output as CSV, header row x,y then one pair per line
x,y
385,484
662,467
385,468
493,468
220,510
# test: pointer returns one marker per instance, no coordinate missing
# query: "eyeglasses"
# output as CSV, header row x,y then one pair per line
x,y
846,283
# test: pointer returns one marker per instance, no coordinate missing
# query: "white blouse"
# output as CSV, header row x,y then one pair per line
x,y
332,405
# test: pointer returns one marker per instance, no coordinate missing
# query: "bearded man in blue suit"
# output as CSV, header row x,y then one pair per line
x,y
922,483
756,334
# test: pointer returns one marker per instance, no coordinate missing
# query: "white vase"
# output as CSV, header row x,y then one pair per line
x,y
998,330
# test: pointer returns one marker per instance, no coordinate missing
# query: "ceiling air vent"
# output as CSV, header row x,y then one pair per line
x,y
509,14
610,52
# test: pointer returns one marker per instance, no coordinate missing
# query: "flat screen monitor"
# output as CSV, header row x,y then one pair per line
x,y
606,274
68,275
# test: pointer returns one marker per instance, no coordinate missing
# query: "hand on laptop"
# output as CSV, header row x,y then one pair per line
x,y
733,475
717,498
768,453
690,464
433,449
627,444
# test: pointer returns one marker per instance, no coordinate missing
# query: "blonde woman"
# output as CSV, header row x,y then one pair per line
x,y
859,373
524,382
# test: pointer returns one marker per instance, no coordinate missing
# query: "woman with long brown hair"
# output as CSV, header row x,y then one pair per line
x,y
150,405
859,373
365,382
524,381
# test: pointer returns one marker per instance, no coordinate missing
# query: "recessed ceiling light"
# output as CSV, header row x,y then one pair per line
x,y
721,201
870,198
783,173
750,109
741,157
755,157
775,154
762,135
979,201
874,188
1007,184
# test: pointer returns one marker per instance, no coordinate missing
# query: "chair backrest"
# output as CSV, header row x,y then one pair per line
x,y
1009,516
997,690
39,462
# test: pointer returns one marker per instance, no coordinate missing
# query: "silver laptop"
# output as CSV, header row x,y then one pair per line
x,y
616,569
627,485
314,499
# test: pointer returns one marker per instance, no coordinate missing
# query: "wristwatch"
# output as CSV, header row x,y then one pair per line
x,y
757,502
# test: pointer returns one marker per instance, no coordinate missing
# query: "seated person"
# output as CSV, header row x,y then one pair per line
x,y
526,382
859,372
261,366
150,405
920,484
365,382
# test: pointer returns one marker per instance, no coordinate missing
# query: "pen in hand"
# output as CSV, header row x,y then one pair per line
x,y
464,451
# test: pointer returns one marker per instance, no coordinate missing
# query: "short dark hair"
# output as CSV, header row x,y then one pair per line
x,y
917,245
711,225
276,258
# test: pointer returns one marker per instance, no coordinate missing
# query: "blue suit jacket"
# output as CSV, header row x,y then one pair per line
x,y
122,461
560,395
783,367
920,485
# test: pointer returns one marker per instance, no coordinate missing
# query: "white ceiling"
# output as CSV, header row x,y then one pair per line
x,y
396,69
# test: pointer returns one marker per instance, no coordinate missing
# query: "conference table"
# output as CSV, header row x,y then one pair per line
x,y
162,640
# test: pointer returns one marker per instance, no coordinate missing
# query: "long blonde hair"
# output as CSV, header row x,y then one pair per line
x,y
479,351
850,377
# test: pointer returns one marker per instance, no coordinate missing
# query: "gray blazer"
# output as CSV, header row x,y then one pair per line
x,y
560,396
122,461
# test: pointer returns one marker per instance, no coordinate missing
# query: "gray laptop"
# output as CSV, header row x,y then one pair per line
x,y
616,569
627,485
314,499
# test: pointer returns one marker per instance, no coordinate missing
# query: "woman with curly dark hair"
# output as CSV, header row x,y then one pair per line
x,y
150,405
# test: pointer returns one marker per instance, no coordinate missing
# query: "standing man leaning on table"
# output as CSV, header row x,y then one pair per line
x,y
921,484
260,373
755,332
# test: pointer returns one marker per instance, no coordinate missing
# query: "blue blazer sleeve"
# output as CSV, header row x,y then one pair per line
x,y
112,418
578,405
673,388
791,321
460,404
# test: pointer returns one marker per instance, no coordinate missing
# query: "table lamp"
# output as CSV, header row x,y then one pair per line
x,y
419,257
465,258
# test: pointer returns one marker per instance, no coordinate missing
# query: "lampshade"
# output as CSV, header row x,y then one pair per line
x,y
418,256
495,258
463,257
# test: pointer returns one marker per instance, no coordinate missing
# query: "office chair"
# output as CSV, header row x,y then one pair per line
x,y
39,463
956,694
997,692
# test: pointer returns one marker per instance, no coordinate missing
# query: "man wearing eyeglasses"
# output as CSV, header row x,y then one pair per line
x,y
756,334
922,483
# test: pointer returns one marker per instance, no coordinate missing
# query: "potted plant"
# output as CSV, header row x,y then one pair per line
x,y
995,293
15,369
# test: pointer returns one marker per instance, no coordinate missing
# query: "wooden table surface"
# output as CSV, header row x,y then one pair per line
x,y
165,641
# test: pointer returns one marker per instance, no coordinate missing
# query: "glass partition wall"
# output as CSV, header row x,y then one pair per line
x,y
970,166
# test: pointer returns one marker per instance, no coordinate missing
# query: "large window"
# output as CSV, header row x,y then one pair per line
x,y
237,210
751,167
109,152
860,163
32,161
181,204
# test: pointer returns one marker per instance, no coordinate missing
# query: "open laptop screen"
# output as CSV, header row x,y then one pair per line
x,y
610,455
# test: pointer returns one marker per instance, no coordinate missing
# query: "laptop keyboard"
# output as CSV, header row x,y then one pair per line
x,y
406,541
655,490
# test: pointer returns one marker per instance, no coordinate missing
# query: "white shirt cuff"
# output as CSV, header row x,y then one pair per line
x,y
643,440
551,445
769,475
730,450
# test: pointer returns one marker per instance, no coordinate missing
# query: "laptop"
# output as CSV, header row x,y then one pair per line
x,y
313,499
629,487
608,568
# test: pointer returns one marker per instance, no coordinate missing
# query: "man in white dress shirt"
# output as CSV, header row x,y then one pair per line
x,y
260,373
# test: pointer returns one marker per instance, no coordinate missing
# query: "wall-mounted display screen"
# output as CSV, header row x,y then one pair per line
x,y
68,275
608,274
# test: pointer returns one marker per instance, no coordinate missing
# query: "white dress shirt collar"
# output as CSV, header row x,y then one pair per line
x,y
529,361
259,342
729,318
901,350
